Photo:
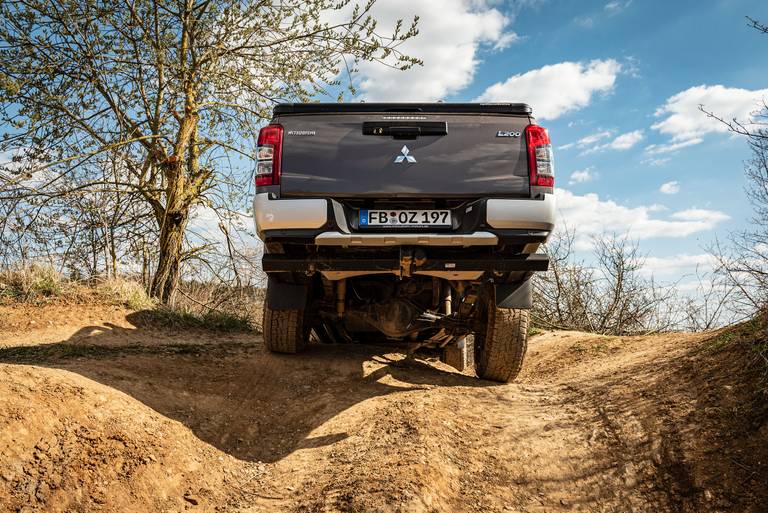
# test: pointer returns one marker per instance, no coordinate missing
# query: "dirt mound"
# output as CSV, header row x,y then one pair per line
x,y
119,416
70,444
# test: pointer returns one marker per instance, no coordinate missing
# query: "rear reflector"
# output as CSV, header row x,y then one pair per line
x,y
269,151
541,164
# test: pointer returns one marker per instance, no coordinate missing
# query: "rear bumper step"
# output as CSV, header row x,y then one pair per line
x,y
284,263
406,239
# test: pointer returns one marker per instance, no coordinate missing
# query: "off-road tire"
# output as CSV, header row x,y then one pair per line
x,y
500,349
285,331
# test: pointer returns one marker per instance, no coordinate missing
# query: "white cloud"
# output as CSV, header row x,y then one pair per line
x,y
658,149
585,21
672,187
686,124
626,141
616,7
506,40
679,265
620,143
587,140
585,175
609,10
655,162
556,89
451,34
700,215
590,215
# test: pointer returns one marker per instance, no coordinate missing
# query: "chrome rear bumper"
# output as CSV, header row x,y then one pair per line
x,y
332,227
294,214
536,214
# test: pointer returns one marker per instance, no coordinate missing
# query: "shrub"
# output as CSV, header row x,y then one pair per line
x,y
609,296
31,282
179,317
125,291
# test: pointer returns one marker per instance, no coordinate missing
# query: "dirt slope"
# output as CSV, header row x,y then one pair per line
x,y
114,415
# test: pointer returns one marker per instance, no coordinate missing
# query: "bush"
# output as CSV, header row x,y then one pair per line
x,y
124,291
222,306
31,282
199,305
179,317
610,296
753,336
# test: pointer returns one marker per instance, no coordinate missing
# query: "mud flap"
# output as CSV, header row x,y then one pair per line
x,y
286,296
515,295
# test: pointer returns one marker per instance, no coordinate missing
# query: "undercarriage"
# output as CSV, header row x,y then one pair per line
x,y
448,316
427,310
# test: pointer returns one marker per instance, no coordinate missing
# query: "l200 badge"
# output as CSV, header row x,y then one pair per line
x,y
508,133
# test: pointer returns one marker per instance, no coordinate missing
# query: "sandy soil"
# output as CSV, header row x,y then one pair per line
x,y
99,412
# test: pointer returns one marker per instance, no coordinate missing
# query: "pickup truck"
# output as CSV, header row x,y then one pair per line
x,y
409,223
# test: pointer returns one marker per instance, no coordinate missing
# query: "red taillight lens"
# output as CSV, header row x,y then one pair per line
x,y
269,151
541,164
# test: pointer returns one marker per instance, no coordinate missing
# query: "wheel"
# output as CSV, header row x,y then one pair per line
x,y
500,348
285,331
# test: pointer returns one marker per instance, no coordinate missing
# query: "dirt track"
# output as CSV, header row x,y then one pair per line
x,y
119,418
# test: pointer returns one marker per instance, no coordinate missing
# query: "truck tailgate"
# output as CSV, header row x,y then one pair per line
x,y
404,155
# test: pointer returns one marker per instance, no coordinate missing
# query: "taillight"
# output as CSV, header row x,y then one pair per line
x,y
269,151
541,164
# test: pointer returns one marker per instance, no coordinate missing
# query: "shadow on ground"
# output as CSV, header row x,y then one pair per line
x,y
227,389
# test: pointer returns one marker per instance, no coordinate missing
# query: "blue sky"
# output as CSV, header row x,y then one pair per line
x,y
623,77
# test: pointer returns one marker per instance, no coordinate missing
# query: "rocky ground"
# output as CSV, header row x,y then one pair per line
x,y
102,411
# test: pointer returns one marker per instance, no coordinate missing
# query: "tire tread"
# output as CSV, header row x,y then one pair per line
x,y
285,330
502,348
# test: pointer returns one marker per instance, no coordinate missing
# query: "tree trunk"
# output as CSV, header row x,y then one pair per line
x,y
113,251
145,276
166,277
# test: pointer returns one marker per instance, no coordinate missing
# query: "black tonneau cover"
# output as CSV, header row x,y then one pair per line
x,y
453,108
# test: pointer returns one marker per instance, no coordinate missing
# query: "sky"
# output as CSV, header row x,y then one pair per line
x,y
618,84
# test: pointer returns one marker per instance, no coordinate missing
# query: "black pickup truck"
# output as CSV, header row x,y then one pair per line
x,y
415,223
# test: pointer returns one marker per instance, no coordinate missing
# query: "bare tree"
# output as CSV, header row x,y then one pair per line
x,y
744,261
87,232
609,296
173,90
709,303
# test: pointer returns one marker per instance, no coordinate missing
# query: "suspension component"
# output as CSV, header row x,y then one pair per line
x,y
341,297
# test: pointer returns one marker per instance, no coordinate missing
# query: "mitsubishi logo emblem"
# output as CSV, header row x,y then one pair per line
x,y
405,156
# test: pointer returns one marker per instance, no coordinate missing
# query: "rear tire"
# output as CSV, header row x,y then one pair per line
x,y
499,351
285,331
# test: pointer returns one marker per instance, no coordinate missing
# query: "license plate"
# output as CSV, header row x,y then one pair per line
x,y
405,218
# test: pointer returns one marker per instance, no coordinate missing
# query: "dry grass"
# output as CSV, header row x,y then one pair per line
x,y
220,305
31,283
197,305
126,292
751,336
